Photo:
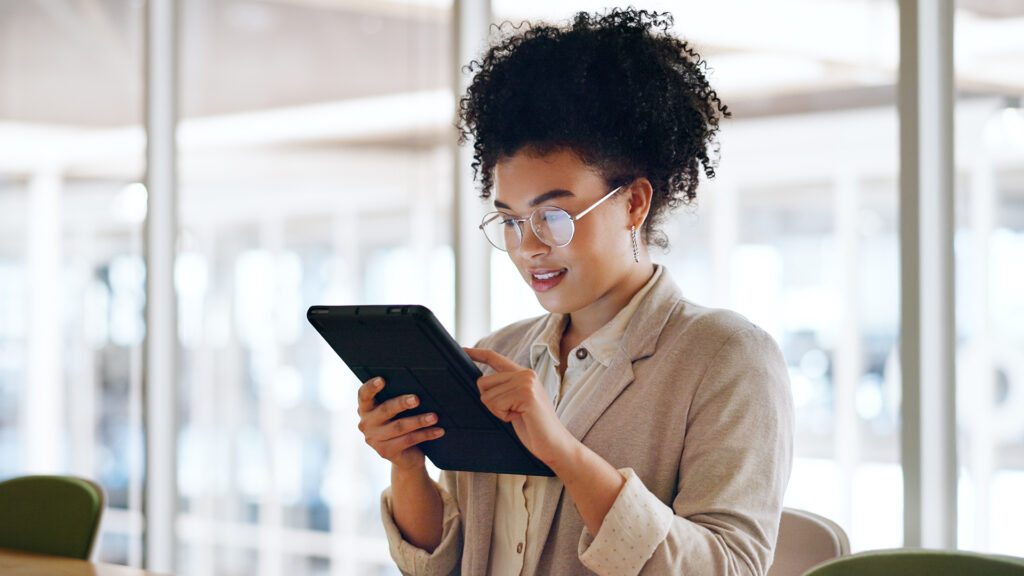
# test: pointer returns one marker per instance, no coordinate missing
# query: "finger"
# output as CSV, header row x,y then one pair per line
x,y
368,391
502,401
400,427
492,359
386,410
421,436
391,449
491,381
495,407
395,406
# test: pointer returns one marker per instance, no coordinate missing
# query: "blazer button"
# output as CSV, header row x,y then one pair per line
x,y
581,353
519,548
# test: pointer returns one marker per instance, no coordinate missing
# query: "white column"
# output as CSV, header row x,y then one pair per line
x,y
472,253
848,366
983,382
724,231
43,407
208,408
271,522
231,398
422,212
345,442
81,389
136,443
927,338
160,364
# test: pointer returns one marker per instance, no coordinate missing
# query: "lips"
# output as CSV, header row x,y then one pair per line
x,y
544,280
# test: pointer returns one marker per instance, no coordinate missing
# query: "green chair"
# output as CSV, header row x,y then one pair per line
x,y
914,562
53,515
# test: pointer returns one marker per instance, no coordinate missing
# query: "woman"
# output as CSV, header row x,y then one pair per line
x,y
668,425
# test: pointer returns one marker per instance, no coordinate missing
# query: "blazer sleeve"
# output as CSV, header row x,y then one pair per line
x,y
445,560
733,474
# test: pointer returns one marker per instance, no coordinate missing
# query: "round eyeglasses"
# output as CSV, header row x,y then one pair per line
x,y
550,224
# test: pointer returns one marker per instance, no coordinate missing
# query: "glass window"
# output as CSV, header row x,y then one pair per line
x,y
989,250
316,168
71,269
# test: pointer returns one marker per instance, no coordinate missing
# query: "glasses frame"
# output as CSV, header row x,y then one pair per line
x,y
490,216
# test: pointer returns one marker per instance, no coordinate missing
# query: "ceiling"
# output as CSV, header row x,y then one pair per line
x,y
80,62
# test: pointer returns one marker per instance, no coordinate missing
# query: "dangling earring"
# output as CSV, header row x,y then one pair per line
x,y
636,250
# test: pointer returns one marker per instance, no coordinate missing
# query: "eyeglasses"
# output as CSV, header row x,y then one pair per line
x,y
550,224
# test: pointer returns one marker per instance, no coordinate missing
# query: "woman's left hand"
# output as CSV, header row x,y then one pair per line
x,y
516,395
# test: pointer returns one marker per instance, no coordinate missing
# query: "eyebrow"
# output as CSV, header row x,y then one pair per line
x,y
549,195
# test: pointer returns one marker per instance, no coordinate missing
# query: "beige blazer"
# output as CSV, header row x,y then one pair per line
x,y
697,402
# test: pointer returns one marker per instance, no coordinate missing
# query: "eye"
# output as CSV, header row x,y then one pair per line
x,y
506,220
552,215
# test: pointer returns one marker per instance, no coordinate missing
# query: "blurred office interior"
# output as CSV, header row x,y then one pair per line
x,y
316,164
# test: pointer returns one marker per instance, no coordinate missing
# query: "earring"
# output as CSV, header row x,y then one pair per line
x,y
636,250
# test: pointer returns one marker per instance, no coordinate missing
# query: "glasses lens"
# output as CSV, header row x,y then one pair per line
x,y
501,230
553,226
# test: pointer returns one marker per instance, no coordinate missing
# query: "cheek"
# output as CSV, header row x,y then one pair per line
x,y
604,239
594,251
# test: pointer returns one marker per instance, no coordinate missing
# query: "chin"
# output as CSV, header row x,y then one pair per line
x,y
556,305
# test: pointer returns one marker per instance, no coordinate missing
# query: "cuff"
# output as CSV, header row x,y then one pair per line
x,y
413,560
634,527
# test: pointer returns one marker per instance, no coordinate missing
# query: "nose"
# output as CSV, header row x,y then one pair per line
x,y
530,245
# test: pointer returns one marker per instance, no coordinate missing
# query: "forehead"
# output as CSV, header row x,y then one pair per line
x,y
526,175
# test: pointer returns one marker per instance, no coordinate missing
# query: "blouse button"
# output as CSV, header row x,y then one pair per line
x,y
519,548
581,353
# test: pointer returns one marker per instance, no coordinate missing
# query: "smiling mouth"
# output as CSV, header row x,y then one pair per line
x,y
549,275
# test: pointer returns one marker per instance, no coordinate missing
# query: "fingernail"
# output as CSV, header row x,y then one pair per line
x,y
439,432
429,418
410,400
378,382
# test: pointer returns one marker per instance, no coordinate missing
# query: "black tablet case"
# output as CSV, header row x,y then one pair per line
x,y
409,348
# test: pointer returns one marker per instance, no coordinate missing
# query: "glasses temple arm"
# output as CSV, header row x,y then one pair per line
x,y
595,204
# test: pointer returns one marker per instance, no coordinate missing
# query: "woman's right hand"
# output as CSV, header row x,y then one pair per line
x,y
395,438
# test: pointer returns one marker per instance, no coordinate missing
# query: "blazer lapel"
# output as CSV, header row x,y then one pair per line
x,y
596,399
483,489
639,341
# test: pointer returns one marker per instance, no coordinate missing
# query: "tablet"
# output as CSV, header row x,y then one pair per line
x,y
409,348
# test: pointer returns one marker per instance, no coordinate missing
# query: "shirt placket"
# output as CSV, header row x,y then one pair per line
x,y
522,521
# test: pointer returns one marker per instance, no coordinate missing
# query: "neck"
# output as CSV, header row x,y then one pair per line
x,y
585,322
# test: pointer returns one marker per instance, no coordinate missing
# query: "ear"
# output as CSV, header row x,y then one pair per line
x,y
639,196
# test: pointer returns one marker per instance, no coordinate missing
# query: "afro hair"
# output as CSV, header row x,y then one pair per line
x,y
630,99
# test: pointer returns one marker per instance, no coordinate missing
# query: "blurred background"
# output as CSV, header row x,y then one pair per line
x,y
316,165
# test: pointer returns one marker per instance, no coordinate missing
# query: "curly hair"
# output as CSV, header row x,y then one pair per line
x,y
617,89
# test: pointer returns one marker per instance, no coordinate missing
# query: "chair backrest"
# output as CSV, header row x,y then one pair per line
x,y
54,515
806,540
914,562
